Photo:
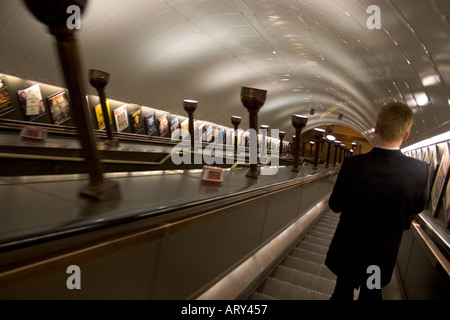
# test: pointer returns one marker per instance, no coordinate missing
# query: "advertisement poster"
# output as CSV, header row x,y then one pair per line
x,y
201,132
136,120
229,139
440,180
447,206
209,133
59,107
163,126
174,126
99,115
120,115
30,100
5,100
223,134
432,161
150,123
185,128
196,135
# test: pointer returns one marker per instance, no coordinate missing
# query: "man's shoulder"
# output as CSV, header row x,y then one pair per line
x,y
374,156
414,162
358,158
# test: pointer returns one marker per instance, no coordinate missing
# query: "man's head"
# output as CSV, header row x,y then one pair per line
x,y
394,122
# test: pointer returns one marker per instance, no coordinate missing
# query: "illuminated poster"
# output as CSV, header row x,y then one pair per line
x,y
31,102
175,128
136,121
223,134
419,154
185,128
163,126
196,136
150,123
216,135
5,100
201,132
174,124
99,115
229,139
120,115
209,133
432,161
447,206
59,107
440,180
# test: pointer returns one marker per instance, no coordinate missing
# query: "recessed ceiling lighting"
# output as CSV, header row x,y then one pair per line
x,y
430,80
422,99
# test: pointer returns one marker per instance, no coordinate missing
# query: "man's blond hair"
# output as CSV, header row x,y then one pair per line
x,y
394,120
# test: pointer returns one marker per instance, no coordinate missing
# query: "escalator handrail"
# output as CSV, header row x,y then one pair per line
x,y
434,242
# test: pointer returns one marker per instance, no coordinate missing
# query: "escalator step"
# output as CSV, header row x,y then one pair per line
x,y
329,226
330,213
312,247
327,231
261,296
305,280
313,268
320,235
330,221
307,255
318,241
285,290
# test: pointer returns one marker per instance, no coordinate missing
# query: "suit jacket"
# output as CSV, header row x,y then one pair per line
x,y
377,194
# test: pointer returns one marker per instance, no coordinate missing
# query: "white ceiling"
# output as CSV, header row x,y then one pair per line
x,y
307,54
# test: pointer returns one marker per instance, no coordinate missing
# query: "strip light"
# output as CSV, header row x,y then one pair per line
x,y
436,139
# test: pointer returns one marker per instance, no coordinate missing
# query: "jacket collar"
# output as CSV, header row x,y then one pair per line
x,y
386,152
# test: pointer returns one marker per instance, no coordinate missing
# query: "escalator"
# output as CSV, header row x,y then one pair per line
x,y
302,275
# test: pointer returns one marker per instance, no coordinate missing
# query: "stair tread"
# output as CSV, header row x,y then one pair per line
x,y
327,231
308,266
313,247
321,235
287,291
303,279
318,241
307,255
261,296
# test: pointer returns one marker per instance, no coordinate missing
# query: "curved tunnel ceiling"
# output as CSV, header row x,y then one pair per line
x,y
308,54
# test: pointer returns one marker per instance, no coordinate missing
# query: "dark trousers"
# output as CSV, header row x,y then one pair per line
x,y
344,291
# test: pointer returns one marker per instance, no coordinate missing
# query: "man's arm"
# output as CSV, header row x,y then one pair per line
x,y
337,200
422,201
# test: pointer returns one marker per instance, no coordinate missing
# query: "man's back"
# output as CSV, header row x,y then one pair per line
x,y
377,194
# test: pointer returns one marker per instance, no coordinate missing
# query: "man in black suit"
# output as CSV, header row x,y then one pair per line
x,y
377,194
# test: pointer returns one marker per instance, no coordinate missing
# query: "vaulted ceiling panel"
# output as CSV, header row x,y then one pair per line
x,y
316,55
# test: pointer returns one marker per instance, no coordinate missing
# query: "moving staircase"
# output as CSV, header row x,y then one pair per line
x,y
302,274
